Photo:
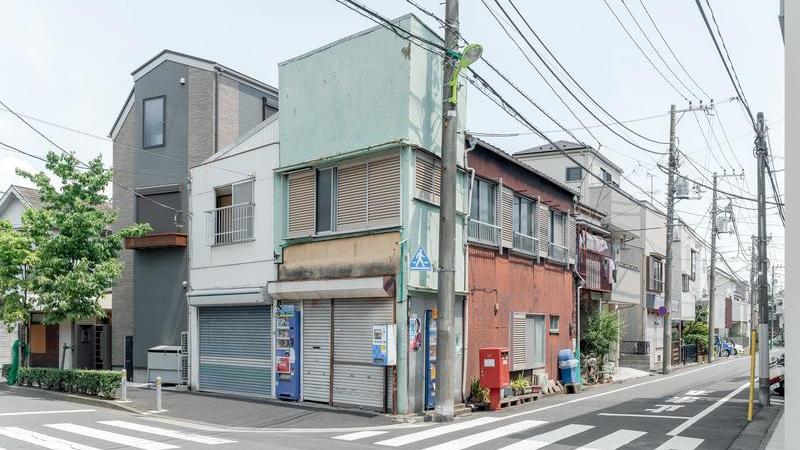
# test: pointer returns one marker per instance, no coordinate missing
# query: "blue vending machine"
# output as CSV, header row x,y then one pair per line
x,y
430,359
287,352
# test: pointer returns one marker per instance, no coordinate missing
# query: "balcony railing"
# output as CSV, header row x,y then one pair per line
x,y
525,244
230,224
558,253
591,268
483,233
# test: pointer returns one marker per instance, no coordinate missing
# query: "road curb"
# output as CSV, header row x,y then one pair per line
x,y
756,434
92,401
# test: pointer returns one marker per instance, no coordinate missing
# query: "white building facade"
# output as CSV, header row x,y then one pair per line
x,y
231,261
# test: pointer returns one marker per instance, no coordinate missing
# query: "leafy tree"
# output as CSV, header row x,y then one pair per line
x,y
601,332
696,331
64,257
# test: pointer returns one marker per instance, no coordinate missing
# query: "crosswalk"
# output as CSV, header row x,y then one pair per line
x,y
489,432
118,432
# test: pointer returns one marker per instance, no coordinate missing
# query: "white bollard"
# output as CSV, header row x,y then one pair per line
x,y
158,393
123,389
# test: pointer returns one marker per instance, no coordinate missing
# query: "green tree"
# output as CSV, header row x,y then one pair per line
x,y
17,257
601,332
76,253
696,331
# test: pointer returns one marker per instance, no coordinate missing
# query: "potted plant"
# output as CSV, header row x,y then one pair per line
x,y
521,386
479,395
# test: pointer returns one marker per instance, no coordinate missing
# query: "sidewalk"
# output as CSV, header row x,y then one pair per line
x,y
252,413
777,441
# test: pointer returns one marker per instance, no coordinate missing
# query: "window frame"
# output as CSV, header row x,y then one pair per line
x,y
694,254
654,284
567,172
333,196
685,282
557,328
605,175
517,215
553,214
475,212
163,143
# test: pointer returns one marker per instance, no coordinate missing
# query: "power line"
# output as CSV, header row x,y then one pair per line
x,y
643,52
658,30
666,64
12,148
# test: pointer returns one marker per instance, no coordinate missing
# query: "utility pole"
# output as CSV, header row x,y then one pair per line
x,y
763,306
753,271
666,358
712,274
445,329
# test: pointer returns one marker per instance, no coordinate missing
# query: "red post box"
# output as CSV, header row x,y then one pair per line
x,y
494,373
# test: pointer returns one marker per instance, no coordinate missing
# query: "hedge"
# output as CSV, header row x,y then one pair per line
x,y
103,383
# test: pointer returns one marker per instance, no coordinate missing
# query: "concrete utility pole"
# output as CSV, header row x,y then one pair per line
x,y
753,271
763,305
712,275
445,329
666,358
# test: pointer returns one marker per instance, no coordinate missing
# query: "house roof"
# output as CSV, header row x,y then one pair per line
x,y
497,151
32,198
189,60
561,146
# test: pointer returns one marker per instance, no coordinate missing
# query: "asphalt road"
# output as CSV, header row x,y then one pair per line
x,y
703,407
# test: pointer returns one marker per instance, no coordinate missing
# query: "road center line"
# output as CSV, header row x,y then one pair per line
x,y
680,428
655,416
603,394
31,413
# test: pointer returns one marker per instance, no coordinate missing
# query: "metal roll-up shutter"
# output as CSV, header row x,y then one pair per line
x,y
316,340
302,203
356,381
236,350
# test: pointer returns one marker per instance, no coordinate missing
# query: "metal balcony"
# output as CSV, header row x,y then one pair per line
x,y
590,266
527,245
483,233
558,253
230,224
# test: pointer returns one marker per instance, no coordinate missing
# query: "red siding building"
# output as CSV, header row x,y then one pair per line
x,y
522,253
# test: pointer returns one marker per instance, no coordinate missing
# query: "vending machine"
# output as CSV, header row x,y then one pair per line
x,y
287,352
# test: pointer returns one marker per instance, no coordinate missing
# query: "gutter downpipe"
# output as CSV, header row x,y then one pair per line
x,y
465,313
578,286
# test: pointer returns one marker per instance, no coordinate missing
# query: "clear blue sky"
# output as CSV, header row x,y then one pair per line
x,y
70,63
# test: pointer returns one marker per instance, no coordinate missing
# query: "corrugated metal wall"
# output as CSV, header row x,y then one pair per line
x,y
236,350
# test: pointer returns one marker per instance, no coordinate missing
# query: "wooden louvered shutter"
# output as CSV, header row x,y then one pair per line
x,y
302,203
428,178
544,230
518,353
351,197
506,221
570,239
383,192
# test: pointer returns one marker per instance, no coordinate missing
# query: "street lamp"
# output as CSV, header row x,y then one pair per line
x,y
471,53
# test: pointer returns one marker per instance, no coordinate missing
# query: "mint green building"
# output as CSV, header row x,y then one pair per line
x,y
356,197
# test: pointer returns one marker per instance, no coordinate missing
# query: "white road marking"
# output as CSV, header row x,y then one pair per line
x,y
614,440
437,431
229,429
486,436
633,386
117,438
655,416
42,440
662,408
359,435
31,413
680,428
167,433
545,439
680,443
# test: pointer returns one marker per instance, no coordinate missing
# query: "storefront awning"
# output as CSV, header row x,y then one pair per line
x,y
226,297
369,287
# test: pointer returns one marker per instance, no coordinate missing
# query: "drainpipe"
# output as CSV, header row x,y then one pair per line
x,y
578,286
465,314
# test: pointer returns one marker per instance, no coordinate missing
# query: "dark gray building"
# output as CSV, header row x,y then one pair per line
x,y
180,111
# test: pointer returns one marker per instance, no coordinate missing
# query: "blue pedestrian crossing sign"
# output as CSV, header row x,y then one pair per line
x,y
420,261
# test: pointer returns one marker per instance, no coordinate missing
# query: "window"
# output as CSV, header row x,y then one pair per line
x,y
554,322
528,341
524,216
693,270
655,278
605,175
231,220
557,228
326,195
574,173
266,110
483,198
154,129
685,282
